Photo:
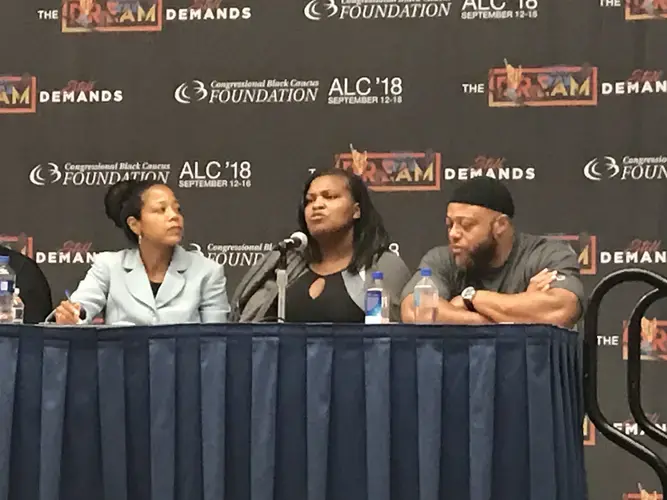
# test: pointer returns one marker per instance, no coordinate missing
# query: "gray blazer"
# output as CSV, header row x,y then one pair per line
x,y
193,290
258,289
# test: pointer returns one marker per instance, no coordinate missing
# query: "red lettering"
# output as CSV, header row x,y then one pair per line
x,y
639,4
96,13
71,85
638,245
371,173
640,76
112,7
660,341
488,162
76,247
522,89
79,86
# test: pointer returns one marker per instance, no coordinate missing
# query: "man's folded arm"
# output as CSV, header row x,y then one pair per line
x,y
556,306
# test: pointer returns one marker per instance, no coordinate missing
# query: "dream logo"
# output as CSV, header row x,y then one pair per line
x,y
653,345
410,171
18,94
589,432
639,10
111,15
543,86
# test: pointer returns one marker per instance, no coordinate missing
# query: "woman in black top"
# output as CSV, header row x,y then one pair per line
x,y
347,241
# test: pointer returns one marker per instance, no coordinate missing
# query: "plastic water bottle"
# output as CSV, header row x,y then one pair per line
x,y
7,280
425,297
18,307
377,302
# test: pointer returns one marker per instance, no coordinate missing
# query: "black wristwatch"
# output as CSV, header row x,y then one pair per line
x,y
467,295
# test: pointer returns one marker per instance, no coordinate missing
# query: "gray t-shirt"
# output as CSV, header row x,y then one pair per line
x,y
530,254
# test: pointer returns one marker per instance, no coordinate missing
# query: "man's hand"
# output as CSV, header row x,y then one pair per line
x,y
458,302
541,281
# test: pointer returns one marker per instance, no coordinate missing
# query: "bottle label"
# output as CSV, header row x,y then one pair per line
x,y
374,306
6,286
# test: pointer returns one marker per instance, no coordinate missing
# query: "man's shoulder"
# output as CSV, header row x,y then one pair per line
x,y
548,251
440,260
544,245
438,254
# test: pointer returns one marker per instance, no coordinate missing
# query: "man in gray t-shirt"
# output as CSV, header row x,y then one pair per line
x,y
491,273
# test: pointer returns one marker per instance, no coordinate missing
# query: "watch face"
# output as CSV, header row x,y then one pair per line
x,y
468,292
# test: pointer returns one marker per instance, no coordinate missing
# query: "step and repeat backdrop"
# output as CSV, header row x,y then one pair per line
x,y
233,103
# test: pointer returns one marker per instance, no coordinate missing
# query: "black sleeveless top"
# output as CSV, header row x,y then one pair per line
x,y
155,287
333,305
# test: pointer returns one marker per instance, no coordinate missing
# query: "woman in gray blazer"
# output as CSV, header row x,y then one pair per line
x,y
347,242
154,282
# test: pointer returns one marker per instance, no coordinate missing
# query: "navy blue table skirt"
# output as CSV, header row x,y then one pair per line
x,y
291,412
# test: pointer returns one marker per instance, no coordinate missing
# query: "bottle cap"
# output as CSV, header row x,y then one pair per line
x,y
377,275
425,271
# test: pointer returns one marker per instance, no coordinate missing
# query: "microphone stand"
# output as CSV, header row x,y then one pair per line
x,y
281,281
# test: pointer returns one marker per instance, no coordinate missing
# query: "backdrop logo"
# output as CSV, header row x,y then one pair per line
x,y
240,255
80,92
637,252
589,432
366,90
585,246
642,495
489,166
71,252
630,427
631,168
41,175
111,15
641,81
543,86
636,10
208,10
654,340
499,9
21,243
196,87
394,171
97,174
215,174
268,91
316,10
18,94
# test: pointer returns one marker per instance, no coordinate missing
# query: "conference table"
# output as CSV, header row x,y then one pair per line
x,y
291,412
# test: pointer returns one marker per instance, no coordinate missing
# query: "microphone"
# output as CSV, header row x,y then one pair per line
x,y
297,241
